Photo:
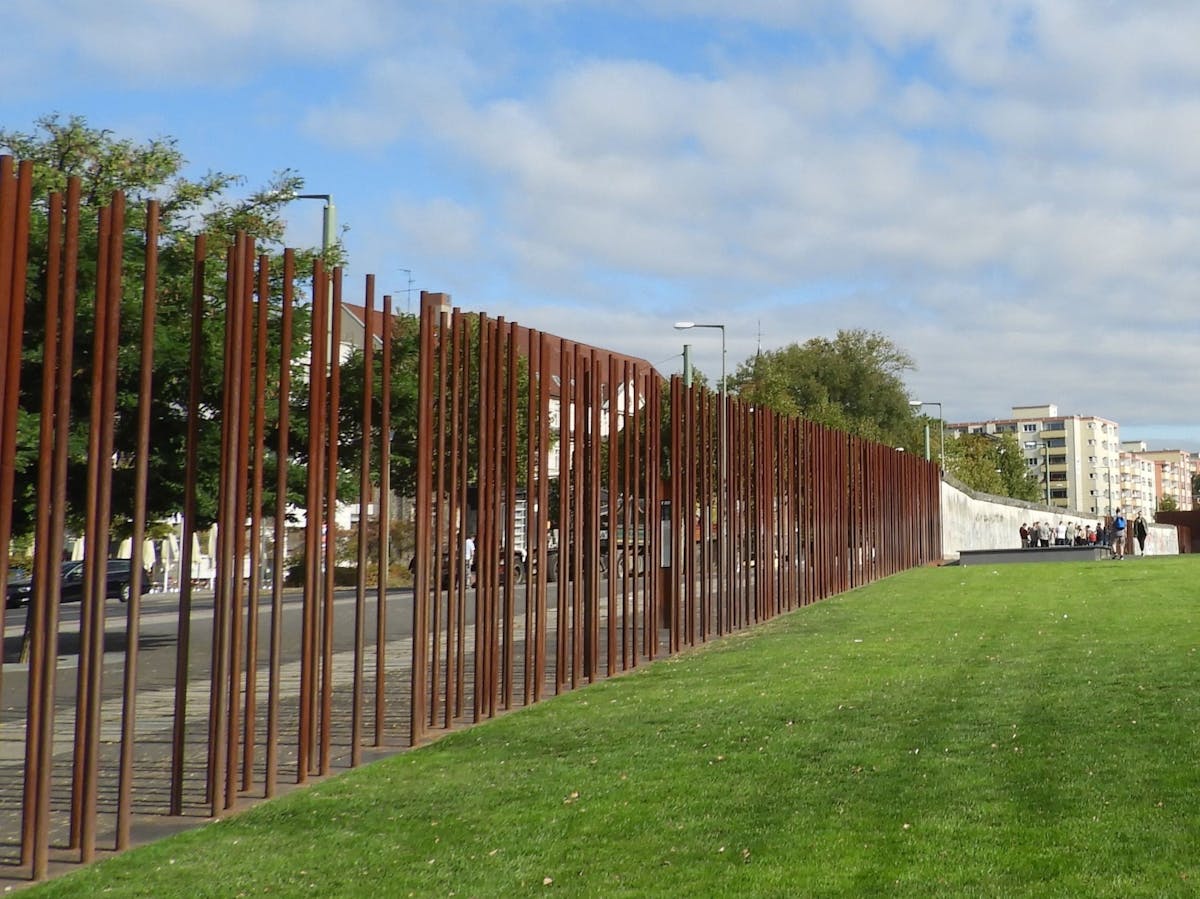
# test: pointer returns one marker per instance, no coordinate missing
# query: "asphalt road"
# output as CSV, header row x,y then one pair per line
x,y
157,639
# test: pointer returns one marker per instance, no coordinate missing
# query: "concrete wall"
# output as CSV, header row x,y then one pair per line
x,y
978,521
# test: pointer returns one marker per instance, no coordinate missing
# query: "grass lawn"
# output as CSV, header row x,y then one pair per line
x,y
1019,730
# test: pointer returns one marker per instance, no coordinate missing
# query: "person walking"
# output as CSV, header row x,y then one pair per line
x,y
1024,536
1140,531
1118,536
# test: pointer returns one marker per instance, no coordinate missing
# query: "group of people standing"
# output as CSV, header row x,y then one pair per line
x,y
1112,534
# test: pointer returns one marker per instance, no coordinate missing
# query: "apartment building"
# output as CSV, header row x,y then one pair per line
x,y
1171,473
1076,458
1082,463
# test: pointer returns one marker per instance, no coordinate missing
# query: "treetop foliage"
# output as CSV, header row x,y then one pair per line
x,y
63,148
853,382
60,148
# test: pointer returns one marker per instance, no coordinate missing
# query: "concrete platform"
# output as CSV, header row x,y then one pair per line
x,y
1048,554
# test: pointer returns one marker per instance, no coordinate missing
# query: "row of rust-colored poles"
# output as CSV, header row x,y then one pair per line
x,y
244,353
647,556
615,517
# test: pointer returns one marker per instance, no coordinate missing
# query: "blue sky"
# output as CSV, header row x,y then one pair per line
x,y
1008,190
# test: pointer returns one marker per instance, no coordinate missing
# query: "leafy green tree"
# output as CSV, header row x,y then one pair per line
x,y
991,463
60,148
1167,504
853,382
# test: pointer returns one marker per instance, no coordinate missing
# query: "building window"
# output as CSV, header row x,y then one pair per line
x,y
1029,429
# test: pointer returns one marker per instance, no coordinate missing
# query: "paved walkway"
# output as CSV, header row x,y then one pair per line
x,y
150,790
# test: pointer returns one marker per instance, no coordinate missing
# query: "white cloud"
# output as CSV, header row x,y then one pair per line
x,y
1011,190
197,41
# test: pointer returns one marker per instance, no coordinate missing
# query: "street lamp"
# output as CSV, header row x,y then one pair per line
x,y
917,404
328,218
328,227
1108,473
687,326
723,447
1033,444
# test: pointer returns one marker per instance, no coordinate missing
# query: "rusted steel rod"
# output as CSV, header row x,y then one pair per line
x,y
366,443
14,249
241,454
80,805
188,529
257,462
314,522
219,648
141,479
542,519
535,540
279,558
591,513
47,631
450,514
385,520
485,525
450,553
424,557
98,561
508,446
331,501
39,704
469,425
223,698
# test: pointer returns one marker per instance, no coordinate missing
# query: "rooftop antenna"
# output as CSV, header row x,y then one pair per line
x,y
408,291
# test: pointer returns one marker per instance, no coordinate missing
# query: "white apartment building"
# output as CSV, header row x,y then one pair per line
x,y
1076,458
1083,465
1171,473
1138,487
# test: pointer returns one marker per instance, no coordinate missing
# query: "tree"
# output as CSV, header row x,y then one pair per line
x,y
60,148
991,463
1167,503
403,442
852,383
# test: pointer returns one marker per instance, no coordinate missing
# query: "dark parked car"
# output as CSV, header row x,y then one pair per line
x,y
120,583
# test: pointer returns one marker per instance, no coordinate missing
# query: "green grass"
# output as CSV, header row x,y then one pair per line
x,y
1024,730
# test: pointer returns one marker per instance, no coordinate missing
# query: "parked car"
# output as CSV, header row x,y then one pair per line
x,y
119,585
